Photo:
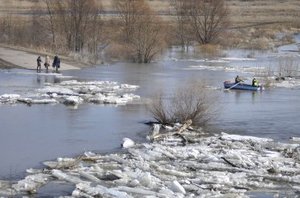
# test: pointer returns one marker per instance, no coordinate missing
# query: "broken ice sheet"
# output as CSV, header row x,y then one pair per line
x,y
219,165
74,93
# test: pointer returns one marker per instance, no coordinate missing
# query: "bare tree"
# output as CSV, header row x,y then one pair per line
x,y
129,12
287,67
208,19
6,24
50,20
141,30
72,19
183,31
6,27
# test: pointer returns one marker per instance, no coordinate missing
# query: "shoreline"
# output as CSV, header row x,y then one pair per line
x,y
18,57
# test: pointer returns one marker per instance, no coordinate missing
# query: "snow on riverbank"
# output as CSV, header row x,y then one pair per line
x,y
73,92
179,164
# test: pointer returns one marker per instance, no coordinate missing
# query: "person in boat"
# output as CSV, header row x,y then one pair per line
x,y
238,79
39,64
255,82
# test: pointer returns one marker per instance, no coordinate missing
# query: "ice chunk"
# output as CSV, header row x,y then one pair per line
x,y
63,176
135,190
43,101
9,96
177,187
127,143
61,163
31,183
57,90
156,128
98,191
126,86
145,179
73,100
89,176
295,139
226,136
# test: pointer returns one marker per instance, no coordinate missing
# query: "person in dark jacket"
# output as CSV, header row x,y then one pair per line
x,y
39,64
56,63
238,79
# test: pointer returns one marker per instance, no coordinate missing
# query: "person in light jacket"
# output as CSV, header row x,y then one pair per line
x,y
255,82
47,62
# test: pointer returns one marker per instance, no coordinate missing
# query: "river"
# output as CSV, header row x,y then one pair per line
x,y
30,135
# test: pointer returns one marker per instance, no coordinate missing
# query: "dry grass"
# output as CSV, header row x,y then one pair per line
x,y
254,24
243,13
266,11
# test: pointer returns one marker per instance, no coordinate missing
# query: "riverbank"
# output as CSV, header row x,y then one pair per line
x,y
13,57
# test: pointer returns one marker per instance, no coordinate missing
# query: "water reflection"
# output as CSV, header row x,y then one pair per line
x,y
38,79
253,97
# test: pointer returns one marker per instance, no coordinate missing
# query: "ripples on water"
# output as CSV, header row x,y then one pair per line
x,y
30,135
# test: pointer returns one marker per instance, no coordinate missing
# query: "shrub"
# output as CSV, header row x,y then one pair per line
x,y
193,102
288,66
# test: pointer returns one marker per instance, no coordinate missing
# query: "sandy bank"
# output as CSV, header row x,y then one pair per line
x,y
14,58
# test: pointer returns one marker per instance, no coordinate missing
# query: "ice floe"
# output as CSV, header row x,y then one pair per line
x,y
249,70
288,83
73,92
178,162
9,98
204,67
204,60
238,59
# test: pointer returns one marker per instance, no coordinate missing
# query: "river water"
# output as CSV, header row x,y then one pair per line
x,y
32,134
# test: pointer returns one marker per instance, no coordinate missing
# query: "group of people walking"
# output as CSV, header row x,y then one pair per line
x,y
55,63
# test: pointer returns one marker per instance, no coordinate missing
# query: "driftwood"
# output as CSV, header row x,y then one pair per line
x,y
178,133
185,126
230,163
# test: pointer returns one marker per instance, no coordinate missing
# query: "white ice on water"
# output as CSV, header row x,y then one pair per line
x,y
204,166
247,70
238,59
73,92
9,98
288,83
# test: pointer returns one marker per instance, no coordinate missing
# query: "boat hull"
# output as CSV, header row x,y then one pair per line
x,y
241,86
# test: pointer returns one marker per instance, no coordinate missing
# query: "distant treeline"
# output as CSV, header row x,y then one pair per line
x,y
135,32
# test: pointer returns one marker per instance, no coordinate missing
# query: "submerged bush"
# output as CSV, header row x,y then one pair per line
x,y
192,102
209,50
